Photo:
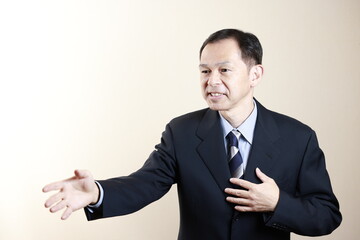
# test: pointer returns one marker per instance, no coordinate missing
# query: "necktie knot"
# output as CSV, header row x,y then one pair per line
x,y
233,138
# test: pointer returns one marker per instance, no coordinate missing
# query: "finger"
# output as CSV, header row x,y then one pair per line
x,y
239,201
68,211
57,185
53,186
242,183
54,199
237,192
244,209
262,176
59,206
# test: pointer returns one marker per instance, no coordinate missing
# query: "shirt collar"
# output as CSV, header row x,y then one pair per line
x,y
246,128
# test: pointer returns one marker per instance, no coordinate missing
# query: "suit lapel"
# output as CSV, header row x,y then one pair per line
x,y
212,149
264,151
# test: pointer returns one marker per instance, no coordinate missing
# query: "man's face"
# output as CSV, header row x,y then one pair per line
x,y
225,78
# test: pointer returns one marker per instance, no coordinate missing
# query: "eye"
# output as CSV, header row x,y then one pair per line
x,y
224,70
205,71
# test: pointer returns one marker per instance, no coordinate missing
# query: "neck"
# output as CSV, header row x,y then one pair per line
x,y
237,116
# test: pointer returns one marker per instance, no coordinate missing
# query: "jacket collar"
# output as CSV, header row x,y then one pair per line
x,y
212,150
264,151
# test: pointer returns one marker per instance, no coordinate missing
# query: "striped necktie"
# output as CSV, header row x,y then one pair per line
x,y
235,159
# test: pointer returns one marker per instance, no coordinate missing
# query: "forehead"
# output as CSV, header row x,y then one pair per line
x,y
223,51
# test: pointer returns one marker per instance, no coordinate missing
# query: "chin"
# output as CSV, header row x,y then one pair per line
x,y
216,107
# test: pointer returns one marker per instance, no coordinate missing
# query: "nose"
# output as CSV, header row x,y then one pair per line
x,y
214,79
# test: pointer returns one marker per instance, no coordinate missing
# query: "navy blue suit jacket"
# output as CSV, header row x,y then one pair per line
x,y
192,155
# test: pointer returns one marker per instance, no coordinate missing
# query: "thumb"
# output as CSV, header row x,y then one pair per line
x,y
262,176
81,173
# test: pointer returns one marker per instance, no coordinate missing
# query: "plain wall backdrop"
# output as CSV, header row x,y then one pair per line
x,y
80,81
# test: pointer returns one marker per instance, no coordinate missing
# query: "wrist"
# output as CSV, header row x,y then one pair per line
x,y
95,195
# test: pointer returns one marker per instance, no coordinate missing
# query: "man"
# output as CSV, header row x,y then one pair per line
x,y
242,171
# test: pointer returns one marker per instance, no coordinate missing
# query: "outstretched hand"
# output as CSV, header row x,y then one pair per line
x,y
73,193
261,197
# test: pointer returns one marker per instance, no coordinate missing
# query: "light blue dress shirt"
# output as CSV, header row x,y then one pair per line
x,y
247,131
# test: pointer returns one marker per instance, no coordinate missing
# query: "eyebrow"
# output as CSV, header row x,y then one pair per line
x,y
216,64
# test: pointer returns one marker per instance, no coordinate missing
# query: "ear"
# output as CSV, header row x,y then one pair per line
x,y
255,75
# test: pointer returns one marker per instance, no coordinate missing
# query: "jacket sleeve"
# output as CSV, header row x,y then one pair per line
x,y
313,210
125,195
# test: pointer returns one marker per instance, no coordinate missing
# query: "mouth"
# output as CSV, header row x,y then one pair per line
x,y
216,94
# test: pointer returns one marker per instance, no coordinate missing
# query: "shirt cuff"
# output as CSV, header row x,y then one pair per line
x,y
101,197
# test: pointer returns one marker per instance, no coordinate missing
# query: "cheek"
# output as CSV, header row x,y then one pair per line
x,y
226,86
203,84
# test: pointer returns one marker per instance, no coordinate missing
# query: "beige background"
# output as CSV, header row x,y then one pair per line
x,y
81,80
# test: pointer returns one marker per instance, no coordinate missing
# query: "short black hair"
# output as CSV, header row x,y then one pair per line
x,y
249,44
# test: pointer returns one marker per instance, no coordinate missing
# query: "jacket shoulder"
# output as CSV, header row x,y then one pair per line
x,y
290,121
284,123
